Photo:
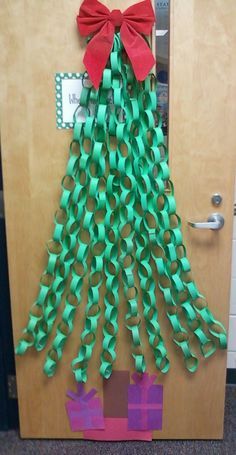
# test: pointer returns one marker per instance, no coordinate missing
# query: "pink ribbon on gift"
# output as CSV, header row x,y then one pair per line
x,y
144,380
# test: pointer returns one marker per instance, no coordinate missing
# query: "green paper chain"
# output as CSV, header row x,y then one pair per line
x,y
117,209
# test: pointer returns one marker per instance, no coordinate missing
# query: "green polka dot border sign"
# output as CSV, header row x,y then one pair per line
x,y
68,87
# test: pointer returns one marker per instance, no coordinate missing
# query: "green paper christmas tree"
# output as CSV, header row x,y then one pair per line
x,y
117,214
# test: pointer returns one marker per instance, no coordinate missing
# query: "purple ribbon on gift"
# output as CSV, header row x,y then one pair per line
x,y
81,394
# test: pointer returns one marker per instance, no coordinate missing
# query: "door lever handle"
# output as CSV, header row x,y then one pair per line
x,y
215,222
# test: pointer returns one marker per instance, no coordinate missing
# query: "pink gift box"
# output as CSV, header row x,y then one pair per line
x,y
85,410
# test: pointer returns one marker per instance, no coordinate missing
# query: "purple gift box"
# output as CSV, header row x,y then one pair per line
x,y
145,403
84,411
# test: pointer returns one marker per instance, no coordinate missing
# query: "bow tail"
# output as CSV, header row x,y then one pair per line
x,y
97,53
138,51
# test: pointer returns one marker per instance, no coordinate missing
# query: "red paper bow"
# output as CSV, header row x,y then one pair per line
x,y
94,17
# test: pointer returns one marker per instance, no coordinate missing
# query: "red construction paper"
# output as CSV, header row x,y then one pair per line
x,y
95,18
117,430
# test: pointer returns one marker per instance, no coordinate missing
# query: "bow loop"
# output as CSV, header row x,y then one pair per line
x,y
81,395
95,19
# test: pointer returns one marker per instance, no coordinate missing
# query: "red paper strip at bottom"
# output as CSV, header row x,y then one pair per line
x,y
116,429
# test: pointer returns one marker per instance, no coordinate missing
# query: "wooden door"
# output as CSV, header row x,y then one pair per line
x,y
39,39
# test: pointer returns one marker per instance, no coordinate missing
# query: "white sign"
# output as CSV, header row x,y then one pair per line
x,y
68,90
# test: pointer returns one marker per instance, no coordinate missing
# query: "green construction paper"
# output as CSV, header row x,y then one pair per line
x,y
118,207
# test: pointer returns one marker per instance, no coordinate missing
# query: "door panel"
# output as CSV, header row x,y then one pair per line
x,y
202,155
39,42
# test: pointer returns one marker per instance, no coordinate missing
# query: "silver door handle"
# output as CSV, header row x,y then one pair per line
x,y
215,221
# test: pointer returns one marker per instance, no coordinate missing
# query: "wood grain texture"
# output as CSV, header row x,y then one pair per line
x,y
41,39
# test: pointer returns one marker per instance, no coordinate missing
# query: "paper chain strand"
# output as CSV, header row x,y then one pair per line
x,y
117,209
